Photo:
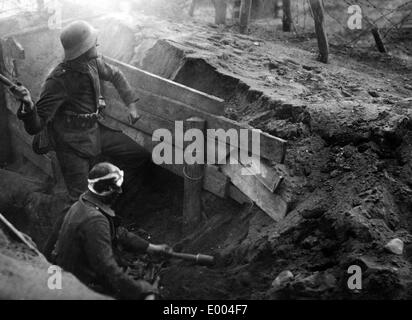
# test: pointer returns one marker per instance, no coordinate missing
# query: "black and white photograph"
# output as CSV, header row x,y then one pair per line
x,y
230,151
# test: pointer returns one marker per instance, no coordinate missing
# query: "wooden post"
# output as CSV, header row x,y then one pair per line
x,y
220,11
319,17
378,40
194,177
287,16
5,140
245,10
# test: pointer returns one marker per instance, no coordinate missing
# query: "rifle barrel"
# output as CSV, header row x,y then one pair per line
x,y
6,81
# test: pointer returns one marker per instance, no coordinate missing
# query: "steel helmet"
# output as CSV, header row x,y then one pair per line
x,y
109,177
77,38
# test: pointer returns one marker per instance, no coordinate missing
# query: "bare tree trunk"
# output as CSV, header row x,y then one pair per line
x,y
287,16
193,7
40,5
378,40
220,11
245,10
318,15
236,9
276,9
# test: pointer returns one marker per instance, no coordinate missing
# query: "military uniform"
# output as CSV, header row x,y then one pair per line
x,y
70,106
85,248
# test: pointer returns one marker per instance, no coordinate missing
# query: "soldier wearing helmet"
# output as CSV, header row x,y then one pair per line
x,y
90,231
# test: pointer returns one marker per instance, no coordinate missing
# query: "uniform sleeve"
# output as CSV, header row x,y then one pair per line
x,y
113,74
131,241
52,97
98,247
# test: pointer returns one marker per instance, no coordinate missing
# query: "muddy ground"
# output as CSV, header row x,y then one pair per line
x,y
348,164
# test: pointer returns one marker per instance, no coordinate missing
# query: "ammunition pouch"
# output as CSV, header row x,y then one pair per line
x,y
74,120
43,142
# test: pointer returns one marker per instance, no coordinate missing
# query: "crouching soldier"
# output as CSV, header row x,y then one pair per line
x,y
90,232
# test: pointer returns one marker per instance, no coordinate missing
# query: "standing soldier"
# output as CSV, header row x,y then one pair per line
x,y
71,110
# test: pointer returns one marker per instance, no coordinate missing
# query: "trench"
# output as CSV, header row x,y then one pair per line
x,y
349,195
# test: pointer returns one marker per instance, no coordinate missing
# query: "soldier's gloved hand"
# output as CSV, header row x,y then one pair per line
x,y
146,288
23,95
159,249
134,115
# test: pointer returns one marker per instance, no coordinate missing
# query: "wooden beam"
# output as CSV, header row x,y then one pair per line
x,y
173,90
162,112
262,171
216,179
270,203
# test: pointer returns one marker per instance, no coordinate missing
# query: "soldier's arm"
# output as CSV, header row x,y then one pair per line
x,y
131,241
134,243
35,117
113,74
98,247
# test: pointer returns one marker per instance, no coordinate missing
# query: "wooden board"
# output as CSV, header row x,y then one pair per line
x,y
150,122
270,203
173,90
262,171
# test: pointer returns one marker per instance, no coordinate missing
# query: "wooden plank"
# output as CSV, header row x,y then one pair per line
x,y
216,179
173,90
270,203
193,178
149,123
238,196
262,171
167,110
